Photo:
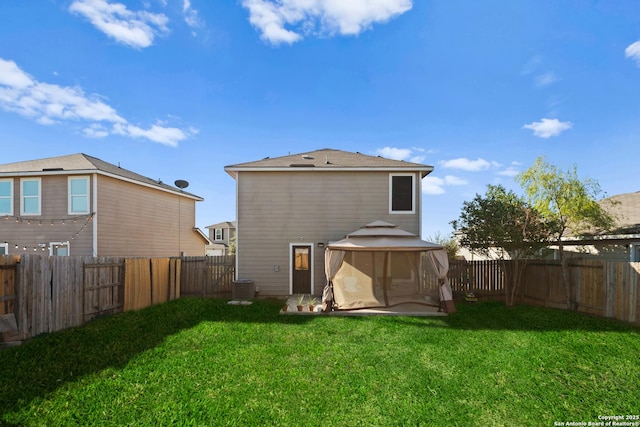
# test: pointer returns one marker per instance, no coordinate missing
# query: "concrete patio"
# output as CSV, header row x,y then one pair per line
x,y
408,309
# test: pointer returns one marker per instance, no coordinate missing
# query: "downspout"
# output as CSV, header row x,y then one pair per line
x,y
237,254
95,215
418,206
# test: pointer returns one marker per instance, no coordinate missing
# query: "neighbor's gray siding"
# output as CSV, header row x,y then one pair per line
x,y
276,209
135,220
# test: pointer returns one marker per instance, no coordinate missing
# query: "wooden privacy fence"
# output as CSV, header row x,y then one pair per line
x,y
44,294
210,276
54,293
608,289
484,278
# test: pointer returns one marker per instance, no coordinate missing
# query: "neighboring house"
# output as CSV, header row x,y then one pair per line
x,y
620,244
221,236
289,208
81,205
470,255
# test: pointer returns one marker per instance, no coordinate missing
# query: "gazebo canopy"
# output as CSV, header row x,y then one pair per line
x,y
391,274
382,236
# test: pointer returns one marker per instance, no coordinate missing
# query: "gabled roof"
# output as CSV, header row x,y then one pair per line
x,y
203,236
77,164
625,208
329,160
223,224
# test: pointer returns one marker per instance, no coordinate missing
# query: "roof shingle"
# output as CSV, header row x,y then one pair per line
x,y
80,163
330,159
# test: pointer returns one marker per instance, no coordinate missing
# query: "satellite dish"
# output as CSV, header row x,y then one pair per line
x,y
181,184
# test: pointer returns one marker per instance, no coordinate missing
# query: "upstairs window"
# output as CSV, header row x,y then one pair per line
x,y
30,203
219,234
402,193
79,195
6,197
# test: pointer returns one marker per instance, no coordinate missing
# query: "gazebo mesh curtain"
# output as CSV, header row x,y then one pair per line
x,y
385,278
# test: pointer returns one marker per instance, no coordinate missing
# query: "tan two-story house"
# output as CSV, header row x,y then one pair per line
x,y
81,205
222,236
289,208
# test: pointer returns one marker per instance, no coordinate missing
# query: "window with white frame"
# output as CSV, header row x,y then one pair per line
x,y
59,248
219,234
78,195
30,202
402,196
4,248
6,196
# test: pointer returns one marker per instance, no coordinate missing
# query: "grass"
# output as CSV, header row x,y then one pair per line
x,y
202,362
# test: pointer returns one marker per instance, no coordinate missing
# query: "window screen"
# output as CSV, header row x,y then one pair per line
x,y
402,193
78,195
6,197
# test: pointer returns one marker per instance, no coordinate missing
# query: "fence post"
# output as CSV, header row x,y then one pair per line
x,y
634,270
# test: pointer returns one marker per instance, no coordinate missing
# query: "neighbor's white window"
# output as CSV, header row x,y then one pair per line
x,y
4,248
402,195
219,234
6,196
59,248
30,202
78,195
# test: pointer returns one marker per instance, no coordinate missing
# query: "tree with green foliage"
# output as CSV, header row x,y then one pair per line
x,y
232,245
567,204
449,244
504,225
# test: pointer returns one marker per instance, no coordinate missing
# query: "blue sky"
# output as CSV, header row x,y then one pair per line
x,y
177,89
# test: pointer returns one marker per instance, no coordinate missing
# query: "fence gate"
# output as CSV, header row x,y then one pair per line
x,y
8,324
8,266
210,276
103,286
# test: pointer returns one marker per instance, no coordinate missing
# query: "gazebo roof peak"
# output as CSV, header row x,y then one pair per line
x,y
379,224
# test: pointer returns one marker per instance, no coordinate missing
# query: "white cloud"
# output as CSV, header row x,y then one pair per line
x,y
546,79
351,17
433,185
394,153
163,135
454,180
510,171
536,66
406,154
466,164
136,29
547,128
633,51
95,130
11,75
191,16
49,104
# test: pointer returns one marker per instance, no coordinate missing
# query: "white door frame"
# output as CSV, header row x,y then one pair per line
x,y
311,262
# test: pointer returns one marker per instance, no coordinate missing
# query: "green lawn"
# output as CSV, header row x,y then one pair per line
x,y
202,362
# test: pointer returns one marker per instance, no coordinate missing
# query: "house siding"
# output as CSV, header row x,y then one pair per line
x,y
220,247
277,209
138,221
34,230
